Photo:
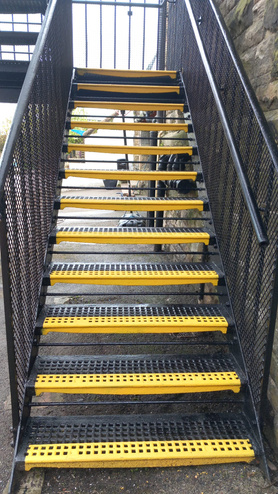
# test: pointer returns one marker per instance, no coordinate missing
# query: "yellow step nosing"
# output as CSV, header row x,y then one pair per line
x,y
130,175
140,150
129,126
138,383
134,205
135,278
126,88
131,324
123,105
128,73
123,454
133,237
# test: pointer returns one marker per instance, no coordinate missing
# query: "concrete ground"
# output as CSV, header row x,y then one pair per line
x,y
209,479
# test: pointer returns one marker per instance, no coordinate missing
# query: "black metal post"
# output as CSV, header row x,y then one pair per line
x,y
9,322
152,161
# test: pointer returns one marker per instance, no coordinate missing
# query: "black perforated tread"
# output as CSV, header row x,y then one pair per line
x,y
87,429
134,364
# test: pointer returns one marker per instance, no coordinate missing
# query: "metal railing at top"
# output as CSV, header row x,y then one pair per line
x,y
217,86
28,179
118,34
19,23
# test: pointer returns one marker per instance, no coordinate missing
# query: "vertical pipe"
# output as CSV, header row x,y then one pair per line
x,y
13,30
129,34
86,36
144,34
9,322
115,36
27,24
100,34
160,65
152,161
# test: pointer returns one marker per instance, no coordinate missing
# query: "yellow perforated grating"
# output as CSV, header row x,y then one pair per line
x,y
132,384
125,105
139,454
126,88
129,126
129,237
147,324
135,278
127,73
134,205
139,150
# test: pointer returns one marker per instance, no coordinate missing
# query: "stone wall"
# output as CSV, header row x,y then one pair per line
x,y
253,25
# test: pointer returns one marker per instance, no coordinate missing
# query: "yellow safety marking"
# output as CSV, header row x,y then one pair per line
x,y
132,325
125,88
138,384
128,73
139,453
125,105
134,278
140,150
130,175
134,205
144,126
133,237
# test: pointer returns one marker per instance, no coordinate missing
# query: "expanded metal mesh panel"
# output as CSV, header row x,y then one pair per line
x,y
250,268
30,184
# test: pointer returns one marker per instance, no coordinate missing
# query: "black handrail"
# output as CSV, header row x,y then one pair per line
x,y
237,159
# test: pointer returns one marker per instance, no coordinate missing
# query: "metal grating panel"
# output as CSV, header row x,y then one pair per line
x,y
28,184
132,365
51,430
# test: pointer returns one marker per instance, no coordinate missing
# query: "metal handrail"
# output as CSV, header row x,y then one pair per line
x,y
237,159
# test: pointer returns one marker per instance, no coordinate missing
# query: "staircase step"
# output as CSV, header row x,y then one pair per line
x,y
125,105
128,92
139,150
142,126
23,6
133,274
131,203
133,319
136,441
134,375
18,38
127,76
129,174
127,88
118,235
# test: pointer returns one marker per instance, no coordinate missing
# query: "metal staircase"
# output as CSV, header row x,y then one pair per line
x,y
213,367
162,357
